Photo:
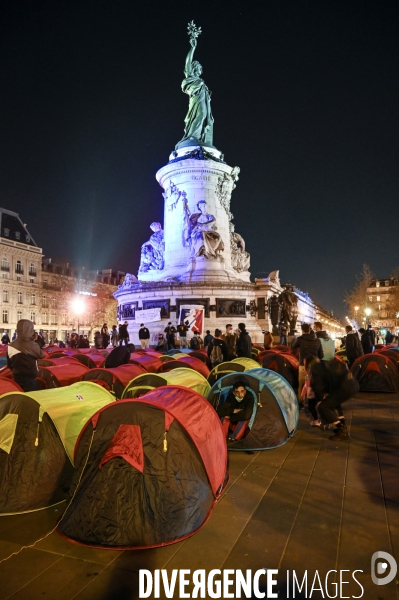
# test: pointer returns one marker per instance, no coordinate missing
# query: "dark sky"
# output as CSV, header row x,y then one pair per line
x,y
305,100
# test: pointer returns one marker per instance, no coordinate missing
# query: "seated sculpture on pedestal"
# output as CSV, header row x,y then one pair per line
x,y
200,233
240,259
152,252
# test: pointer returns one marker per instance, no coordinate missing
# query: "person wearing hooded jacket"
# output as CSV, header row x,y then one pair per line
x,y
308,344
353,346
22,356
244,342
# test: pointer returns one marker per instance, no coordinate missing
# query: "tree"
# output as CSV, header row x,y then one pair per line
x,y
357,299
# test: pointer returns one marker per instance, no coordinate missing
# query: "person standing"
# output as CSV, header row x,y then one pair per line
x,y
244,342
105,334
388,337
231,339
22,356
144,336
114,336
283,331
353,346
371,333
365,341
208,338
182,331
170,332
308,345
217,350
5,339
267,340
123,334
326,342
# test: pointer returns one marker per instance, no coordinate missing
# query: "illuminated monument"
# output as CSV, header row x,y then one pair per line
x,y
198,258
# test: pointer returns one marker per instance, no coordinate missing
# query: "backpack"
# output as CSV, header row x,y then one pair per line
x,y
216,355
194,343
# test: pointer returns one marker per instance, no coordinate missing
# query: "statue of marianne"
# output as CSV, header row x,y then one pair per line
x,y
199,119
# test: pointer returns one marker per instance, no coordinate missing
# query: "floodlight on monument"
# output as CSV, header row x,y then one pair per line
x,y
368,311
78,307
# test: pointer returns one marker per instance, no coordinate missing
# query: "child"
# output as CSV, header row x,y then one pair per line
x,y
307,390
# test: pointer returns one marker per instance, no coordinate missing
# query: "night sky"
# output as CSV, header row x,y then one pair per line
x,y
305,100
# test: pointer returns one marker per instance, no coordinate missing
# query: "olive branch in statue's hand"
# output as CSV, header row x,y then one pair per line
x,y
193,32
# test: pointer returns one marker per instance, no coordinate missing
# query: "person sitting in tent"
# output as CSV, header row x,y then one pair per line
x,y
22,355
237,408
119,356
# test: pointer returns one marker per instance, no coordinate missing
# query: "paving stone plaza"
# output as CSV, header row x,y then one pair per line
x,y
309,505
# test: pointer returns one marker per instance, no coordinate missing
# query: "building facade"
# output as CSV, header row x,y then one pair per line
x,y
56,297
382,305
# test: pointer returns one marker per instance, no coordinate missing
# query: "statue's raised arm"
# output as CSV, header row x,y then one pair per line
x,y
199,120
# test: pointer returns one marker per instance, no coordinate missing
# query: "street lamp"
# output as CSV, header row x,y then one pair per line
x,y
368,313
78,307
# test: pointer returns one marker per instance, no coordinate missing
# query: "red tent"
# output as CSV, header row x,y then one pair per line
x,y
150,363
61,375
8,385
157,466
116,379
196,364
376,373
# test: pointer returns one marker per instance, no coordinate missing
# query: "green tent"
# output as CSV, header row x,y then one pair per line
x,y
237,365
182,377
247,363
38,432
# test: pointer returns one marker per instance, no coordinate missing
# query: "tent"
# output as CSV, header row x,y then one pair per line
x,y
61,375
223,369
275,415
174,364
202,355
376,373
8,385
197,364
38,431
183,377
148,362
247,363
116,379
390,353
157,465
285,364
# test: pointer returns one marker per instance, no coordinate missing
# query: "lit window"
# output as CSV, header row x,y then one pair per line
x,y
377,284
378,298
5,295
5,316
33,317
18,267
45,302
19,315
370,298
17,235
5,264
53,303
53,319
19,297
45,319
33,299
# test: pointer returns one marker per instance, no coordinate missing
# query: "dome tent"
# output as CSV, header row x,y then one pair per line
x,y
275,415
182,377
157,466
283,363
376,373
61,375
116,379
240,364
38,431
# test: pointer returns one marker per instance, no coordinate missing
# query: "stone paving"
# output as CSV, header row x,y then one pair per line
x,y
313,505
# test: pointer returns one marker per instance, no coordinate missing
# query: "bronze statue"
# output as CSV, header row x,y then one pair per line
x,y
289,307
274,312
199,119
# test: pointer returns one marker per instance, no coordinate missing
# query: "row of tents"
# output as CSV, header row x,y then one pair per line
x,y
138,472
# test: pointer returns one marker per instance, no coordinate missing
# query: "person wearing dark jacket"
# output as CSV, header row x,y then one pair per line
x,y
365,341
119,356
144,336
333,384
218,341
244,342
5,339
238,406
22,355
372,335
123,334
353,346
309,345
207,339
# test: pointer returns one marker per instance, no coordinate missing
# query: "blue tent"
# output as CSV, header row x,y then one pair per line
x,y
275,416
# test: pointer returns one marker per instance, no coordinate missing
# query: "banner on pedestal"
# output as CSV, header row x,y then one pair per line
x,y
193,316
148,315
